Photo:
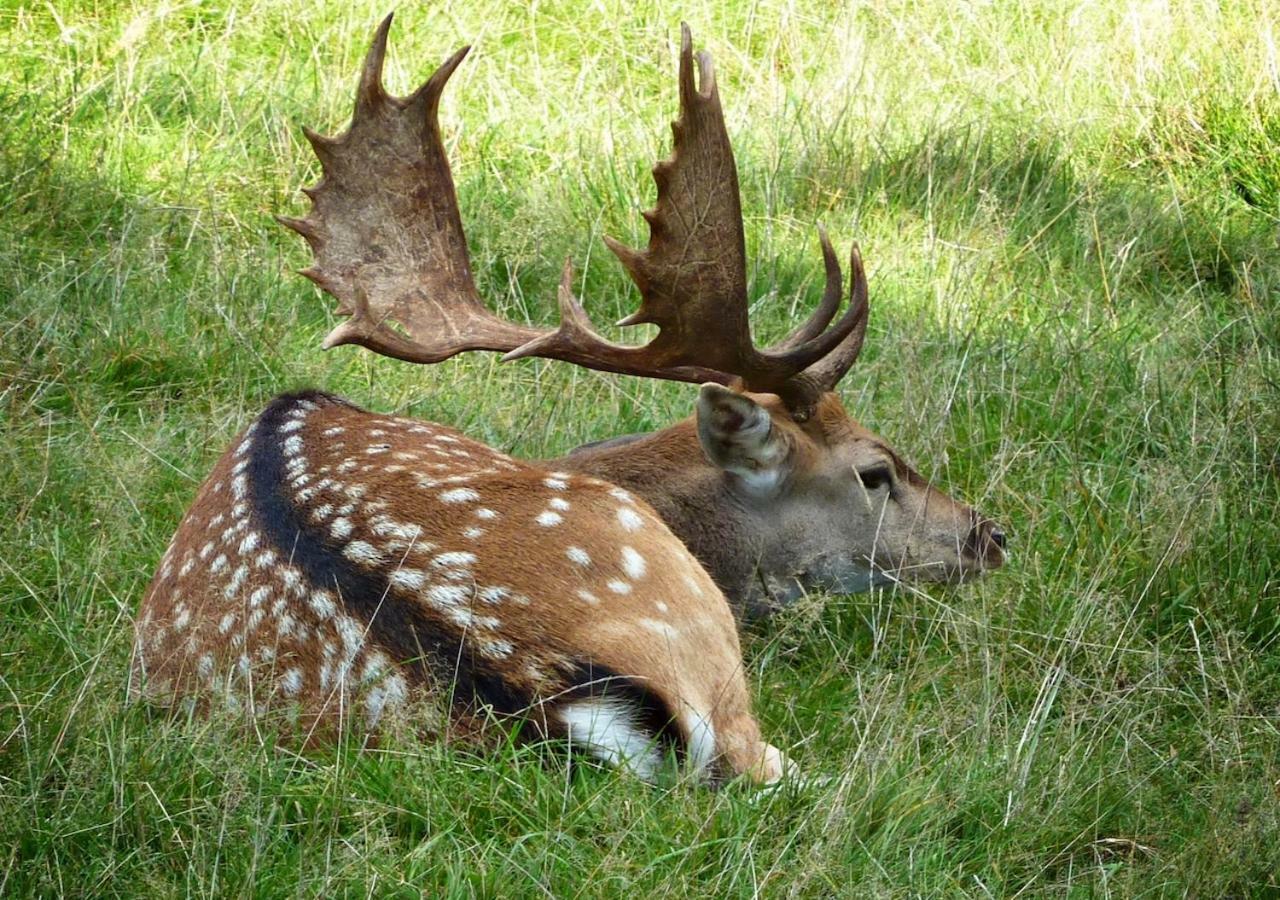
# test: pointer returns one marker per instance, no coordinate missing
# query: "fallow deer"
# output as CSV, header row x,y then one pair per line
x,y
340,560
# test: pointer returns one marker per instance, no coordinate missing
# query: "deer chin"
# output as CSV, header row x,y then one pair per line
x,y
845,575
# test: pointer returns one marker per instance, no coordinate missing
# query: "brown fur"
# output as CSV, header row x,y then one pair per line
x,y
452,569
765,548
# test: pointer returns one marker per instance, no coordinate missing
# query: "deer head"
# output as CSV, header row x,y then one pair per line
x,y
773,486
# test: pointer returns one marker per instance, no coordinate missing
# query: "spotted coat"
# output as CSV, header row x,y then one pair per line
x,y
341,564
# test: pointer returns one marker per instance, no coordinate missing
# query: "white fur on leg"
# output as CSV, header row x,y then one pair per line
x,y
701,751
608,729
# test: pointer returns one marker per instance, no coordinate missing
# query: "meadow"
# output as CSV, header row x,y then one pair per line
x,y
1070,213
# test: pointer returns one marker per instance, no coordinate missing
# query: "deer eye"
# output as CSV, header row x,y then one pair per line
x,y
876,477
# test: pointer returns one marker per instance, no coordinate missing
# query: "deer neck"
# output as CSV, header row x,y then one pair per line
x,y
738,542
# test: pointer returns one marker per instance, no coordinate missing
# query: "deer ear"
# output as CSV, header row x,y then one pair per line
x,y
737,434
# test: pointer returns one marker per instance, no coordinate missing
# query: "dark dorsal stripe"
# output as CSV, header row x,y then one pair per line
x,y
407,631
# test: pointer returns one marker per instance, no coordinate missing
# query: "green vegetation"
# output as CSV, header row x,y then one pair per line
x,y
1069,212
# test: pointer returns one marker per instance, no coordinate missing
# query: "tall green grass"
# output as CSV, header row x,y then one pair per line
x,y
1069,212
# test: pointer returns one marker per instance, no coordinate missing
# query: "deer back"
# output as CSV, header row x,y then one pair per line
x,y
337,560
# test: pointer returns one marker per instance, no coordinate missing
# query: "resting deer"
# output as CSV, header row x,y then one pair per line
x,y
341,560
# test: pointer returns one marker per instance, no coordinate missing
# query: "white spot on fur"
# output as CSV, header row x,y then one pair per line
x,y
292,425
619,587
494,594
248,543
352,636
588,597
332,431
472,533
460,495
389,694
485,513
633,563
458,558
659,628
293,445
265,558
292,579
321,602
409,579
692,584
558,503
629,519
460,616
363,552
610,730
259,596
227,623
237,579
204,665
447,596
291,683
556,482
549,519
495,649
578,555
384,527
661,607
286,626
340,528
218,564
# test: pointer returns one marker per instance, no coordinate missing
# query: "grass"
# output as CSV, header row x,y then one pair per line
x,y
1069,212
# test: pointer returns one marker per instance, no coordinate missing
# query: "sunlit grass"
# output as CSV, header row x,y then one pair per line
x,y
1069,213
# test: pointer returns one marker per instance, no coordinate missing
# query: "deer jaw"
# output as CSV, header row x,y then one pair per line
x,y
774,507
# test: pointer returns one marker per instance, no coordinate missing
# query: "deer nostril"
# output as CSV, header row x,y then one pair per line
x,y
997,538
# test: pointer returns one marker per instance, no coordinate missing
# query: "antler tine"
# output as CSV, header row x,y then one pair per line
x,y
827,372
826,310
370,94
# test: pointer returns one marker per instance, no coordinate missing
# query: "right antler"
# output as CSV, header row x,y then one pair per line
x,y
389,245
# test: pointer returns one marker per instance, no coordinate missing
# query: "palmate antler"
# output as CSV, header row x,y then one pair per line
x,y
389,245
